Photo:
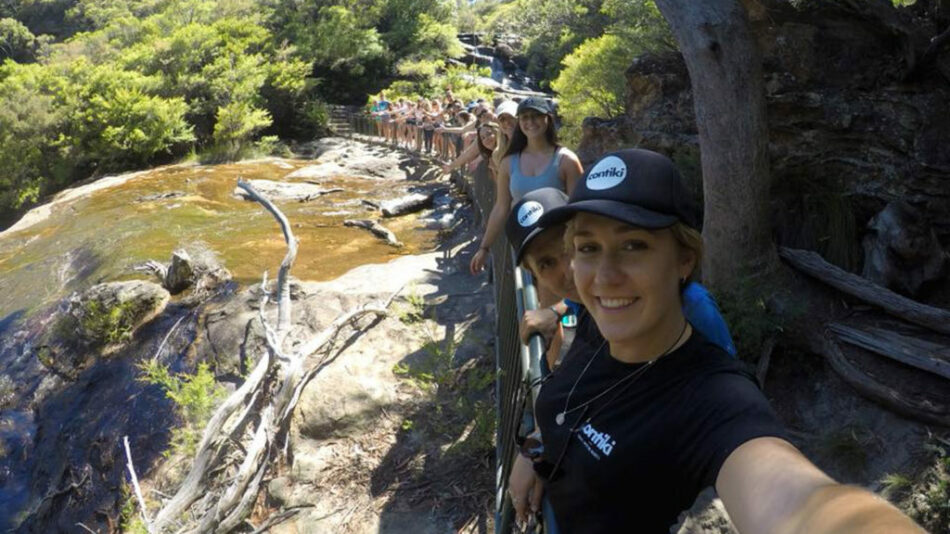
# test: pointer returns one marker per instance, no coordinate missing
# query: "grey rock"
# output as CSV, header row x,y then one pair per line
x,y
180,273
843,120
285,191
901,250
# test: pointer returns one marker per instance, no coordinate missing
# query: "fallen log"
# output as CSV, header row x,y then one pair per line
x,y
873,390
812,264
918,353
377,229
407,204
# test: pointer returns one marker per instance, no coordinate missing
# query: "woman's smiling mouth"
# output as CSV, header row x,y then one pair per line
x,y
614,303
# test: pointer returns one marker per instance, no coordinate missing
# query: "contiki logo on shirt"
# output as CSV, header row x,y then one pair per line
x,y
608,172
601,440
529,213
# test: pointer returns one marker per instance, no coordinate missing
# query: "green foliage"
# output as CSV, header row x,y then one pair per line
x,y
341,44
105,325
752,313
113,120
414,309
401,21
552,29
30,134
894,484
195,397
16,41
271,145
130,521
593,82
120,84
237,122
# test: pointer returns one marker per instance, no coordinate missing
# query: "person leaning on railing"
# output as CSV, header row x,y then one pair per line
x,y
472,149
533,160
636,426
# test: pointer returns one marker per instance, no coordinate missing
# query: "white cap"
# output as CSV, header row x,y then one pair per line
x,y
508,106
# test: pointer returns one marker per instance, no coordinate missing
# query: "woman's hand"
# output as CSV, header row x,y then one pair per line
x,y
543,321
525,489
478,261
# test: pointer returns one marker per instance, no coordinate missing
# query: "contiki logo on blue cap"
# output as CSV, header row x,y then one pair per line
x,y
529,213
608,172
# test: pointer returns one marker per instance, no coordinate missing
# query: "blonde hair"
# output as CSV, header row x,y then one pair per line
x,y
687,238
691,240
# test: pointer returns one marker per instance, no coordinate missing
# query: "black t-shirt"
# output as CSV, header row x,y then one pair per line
x,y
638,459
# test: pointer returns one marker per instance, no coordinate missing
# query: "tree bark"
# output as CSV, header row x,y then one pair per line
x,y
918,353
725,70
812,264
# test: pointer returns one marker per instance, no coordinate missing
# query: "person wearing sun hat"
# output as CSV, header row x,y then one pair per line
x,y
636,427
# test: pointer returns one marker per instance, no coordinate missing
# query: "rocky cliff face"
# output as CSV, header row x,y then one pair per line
x,y
859,115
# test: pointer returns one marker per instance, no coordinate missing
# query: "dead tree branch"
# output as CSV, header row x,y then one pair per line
x,y
283,283
240,443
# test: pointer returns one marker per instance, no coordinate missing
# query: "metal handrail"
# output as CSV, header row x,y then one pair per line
x,y
517,366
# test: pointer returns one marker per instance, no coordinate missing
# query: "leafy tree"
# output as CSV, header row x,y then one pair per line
x,y
401,19
29,134
16,41
552,29
237,123
593,80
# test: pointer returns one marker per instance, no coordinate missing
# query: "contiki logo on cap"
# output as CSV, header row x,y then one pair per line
x,y
529,213
608,172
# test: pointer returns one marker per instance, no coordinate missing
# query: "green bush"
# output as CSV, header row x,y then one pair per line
x,y
195,397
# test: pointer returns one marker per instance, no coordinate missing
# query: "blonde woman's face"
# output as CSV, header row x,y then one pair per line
x,y
627,277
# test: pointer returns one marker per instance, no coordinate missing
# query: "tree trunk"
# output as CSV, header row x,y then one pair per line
x,y
725,71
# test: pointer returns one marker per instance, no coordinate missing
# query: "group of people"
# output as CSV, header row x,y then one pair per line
x,y
443,127
648,406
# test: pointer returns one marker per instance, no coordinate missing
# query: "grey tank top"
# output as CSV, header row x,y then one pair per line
x,y
521,184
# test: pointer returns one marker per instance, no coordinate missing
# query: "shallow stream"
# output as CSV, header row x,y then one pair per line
x,y
100,237
60,458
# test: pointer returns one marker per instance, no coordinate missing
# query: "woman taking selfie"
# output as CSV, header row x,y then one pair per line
x,y
635,427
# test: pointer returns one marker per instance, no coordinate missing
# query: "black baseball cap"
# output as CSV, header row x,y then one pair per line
x,y
639,187
523,221
534,103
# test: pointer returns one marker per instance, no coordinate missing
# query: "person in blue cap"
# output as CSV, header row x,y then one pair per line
x,y
636,426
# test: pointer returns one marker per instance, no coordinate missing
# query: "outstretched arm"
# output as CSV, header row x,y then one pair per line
x,y
496,220
468,155
768,486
